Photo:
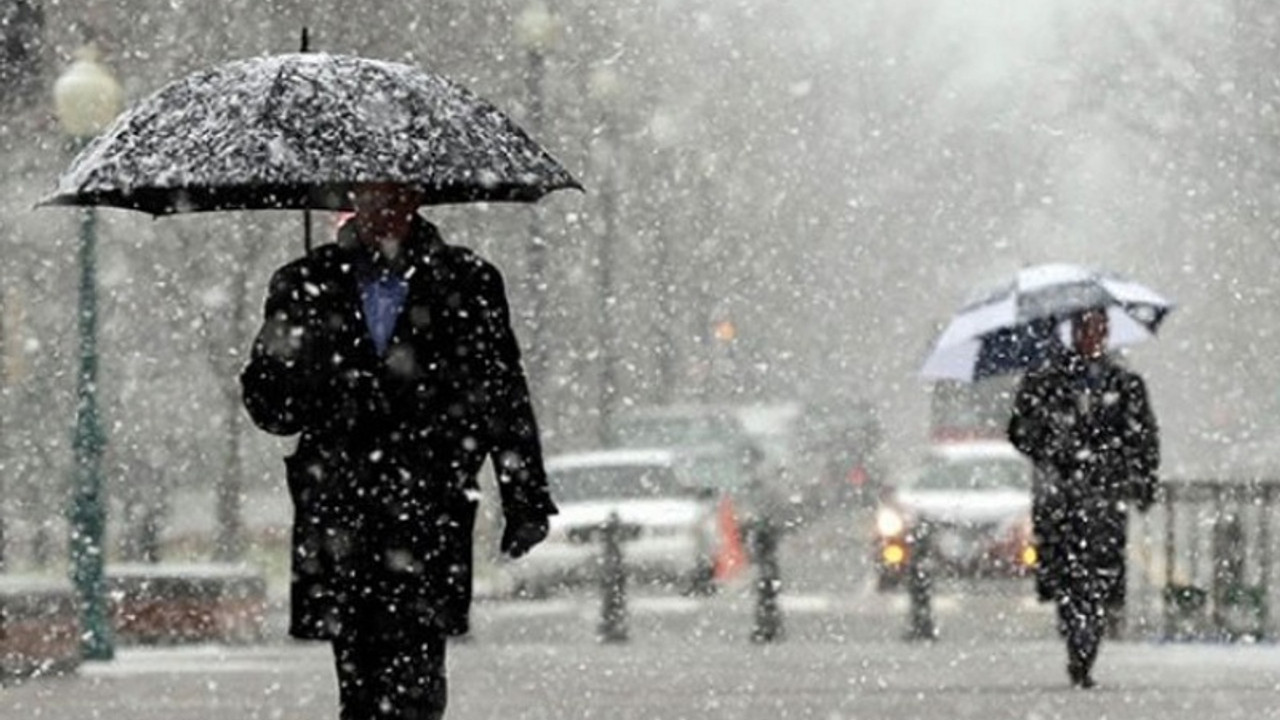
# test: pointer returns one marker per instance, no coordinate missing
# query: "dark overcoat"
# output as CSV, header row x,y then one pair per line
x,y
383,479
1088,427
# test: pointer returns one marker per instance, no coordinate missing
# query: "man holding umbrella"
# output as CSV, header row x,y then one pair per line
x,y
1086,423
391,353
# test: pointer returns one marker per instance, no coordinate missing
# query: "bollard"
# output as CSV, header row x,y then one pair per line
x,y
768,626
613,584
920,584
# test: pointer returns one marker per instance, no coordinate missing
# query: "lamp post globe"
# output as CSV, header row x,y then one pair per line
x,y
604,84
86,99
537,28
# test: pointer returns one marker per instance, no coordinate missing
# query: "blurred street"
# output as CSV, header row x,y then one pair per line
x,y
706,679
843,657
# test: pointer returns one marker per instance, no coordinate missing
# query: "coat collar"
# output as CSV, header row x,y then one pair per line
x,y
1072,364
421,247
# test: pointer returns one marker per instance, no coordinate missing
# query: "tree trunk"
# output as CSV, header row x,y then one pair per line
x,y
230,542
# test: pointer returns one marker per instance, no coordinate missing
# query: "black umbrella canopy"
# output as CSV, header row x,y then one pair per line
x,y
299,131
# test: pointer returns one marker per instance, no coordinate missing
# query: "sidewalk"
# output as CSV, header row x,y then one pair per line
x,y
689,678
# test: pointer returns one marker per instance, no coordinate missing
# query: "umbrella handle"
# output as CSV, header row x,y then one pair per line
x,y
306,230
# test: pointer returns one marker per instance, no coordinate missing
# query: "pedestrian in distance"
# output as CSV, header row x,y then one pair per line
x,y
390,353
1087,425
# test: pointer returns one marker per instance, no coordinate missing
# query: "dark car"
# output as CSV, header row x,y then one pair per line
x,y
838,447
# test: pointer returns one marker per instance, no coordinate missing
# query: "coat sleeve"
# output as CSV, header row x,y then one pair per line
x,y
514,445
1141,440
277,384
1027,430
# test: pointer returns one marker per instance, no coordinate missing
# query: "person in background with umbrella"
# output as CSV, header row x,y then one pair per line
x,y
1087,425
391,353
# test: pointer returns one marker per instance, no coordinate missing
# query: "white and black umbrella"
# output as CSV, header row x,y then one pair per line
x,y
299,131
1015,327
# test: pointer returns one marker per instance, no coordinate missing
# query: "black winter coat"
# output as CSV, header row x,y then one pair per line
x,y
1089,429
383,479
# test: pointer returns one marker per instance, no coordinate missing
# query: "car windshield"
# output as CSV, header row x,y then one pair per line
x,y
614,482
976,475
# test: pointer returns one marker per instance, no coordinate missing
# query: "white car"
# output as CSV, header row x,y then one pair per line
x,y
976,497
666,501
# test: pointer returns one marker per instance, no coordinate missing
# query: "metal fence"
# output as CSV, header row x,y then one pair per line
x,y
1201,562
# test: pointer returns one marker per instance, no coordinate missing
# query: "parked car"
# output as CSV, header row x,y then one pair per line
x,y
666,500
976,498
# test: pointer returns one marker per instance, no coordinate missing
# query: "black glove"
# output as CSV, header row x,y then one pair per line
x,y
521,534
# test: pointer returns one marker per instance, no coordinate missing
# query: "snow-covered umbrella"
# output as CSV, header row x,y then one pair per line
x,y
299,131
1015,327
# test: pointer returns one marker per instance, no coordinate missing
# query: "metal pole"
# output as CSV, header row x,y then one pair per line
x,y
306,212
88,517
768,583
536,253
613,584
920,585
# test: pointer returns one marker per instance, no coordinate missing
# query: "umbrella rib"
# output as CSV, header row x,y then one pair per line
x,y
274,92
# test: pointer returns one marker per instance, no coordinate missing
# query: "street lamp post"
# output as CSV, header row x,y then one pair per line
x,y
665,130
86,99
604,86
536,30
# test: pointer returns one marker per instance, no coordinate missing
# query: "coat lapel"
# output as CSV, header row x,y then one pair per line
x,y
363,351
423,250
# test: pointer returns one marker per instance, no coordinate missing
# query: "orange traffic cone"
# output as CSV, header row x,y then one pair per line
x,y
730,556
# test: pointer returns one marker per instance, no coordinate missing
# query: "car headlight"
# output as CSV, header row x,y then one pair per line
x,y
889,522
893,554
